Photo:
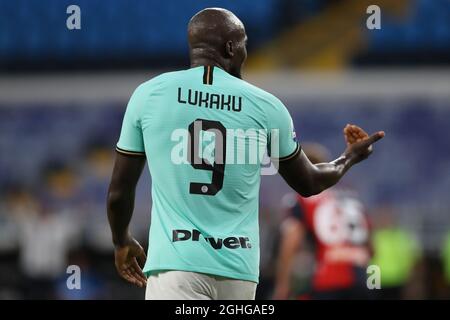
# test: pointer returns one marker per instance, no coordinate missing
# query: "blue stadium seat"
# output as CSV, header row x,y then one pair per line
x,y
113,28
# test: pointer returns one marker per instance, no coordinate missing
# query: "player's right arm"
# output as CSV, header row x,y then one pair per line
x,y
128,166
309,179
129,255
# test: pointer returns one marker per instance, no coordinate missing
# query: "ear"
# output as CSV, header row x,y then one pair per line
x,y
229,48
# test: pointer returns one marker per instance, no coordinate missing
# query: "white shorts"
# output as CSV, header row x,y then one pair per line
x,y
183,285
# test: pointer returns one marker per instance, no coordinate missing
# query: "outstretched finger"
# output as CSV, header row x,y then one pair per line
x,y
374,138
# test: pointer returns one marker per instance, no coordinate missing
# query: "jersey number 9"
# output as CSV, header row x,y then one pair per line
x,y
200,163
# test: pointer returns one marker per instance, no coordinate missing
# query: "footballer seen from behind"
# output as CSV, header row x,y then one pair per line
x,y
204,132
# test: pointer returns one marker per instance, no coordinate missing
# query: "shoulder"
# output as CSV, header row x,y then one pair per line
x,y
260,93
159,79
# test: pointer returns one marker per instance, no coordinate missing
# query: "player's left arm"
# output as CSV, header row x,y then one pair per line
x,y
129,255
310,179
300,174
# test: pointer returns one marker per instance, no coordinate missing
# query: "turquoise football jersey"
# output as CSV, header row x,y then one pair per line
x,y
204,133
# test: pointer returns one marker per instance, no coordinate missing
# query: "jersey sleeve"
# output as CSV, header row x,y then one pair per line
x,y
131,141
282,143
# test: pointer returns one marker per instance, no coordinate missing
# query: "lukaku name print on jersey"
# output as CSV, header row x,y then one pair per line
x,y
210,100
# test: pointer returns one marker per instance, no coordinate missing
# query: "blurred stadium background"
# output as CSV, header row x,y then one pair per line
x,y
63,94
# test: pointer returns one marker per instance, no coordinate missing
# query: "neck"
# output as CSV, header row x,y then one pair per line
x,y
202,61
206,61
201,56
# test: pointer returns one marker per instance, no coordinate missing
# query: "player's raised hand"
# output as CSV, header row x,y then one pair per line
x,y
129,258
359,143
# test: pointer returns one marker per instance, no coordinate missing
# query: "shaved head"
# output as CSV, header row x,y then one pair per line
x,y
217,37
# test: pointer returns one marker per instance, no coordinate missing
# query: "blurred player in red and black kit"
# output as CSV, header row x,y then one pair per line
x,y
338,226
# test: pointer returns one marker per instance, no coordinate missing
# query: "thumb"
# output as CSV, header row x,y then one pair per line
x,y
141,257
